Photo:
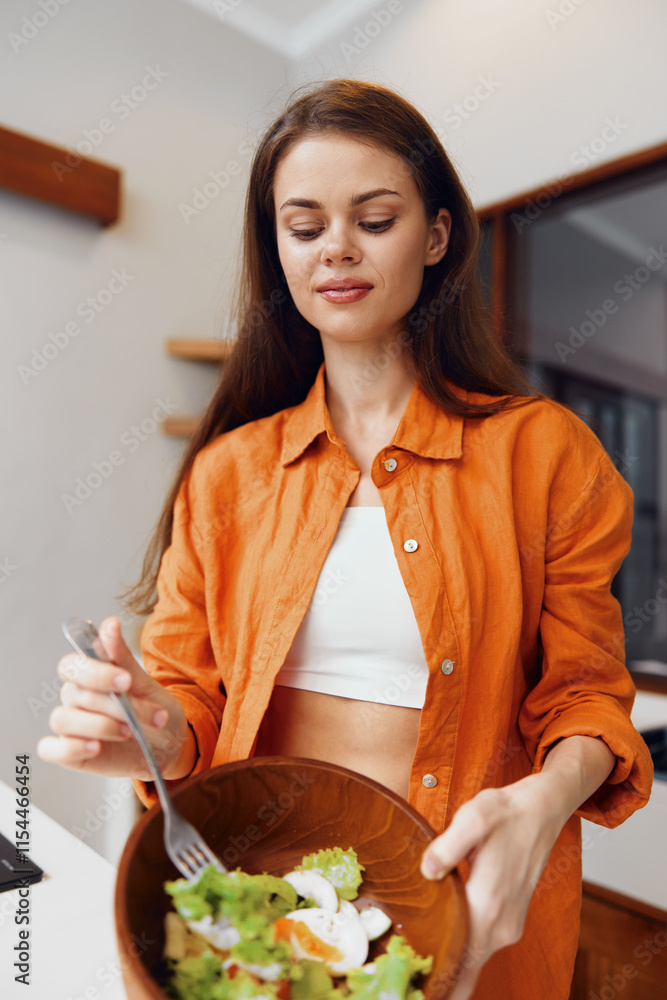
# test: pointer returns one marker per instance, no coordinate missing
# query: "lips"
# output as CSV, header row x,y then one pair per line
x,y
335,284
350,294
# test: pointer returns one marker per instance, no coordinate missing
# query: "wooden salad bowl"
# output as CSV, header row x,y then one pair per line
x,y
263,815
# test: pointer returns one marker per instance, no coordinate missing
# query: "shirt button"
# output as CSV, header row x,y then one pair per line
x,y
390,464
429,781
447,666
411,545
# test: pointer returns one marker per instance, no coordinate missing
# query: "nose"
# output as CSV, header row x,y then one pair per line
x,y
339,246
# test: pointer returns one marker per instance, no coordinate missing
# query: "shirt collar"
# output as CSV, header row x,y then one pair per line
x,y
424,429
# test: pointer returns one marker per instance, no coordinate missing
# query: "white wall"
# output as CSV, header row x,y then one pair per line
x,y
113,375
554,84
552,89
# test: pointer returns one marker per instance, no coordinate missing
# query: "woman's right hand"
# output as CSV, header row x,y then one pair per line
x,y
91,734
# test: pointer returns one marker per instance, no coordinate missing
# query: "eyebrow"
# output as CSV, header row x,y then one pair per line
x,y
356,199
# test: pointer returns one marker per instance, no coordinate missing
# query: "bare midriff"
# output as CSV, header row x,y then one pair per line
x,y
375,740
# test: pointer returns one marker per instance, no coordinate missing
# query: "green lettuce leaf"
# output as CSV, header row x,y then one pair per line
x,y
264,951
393,974
340,867
244,987
204,978
315,983
195,978
251,902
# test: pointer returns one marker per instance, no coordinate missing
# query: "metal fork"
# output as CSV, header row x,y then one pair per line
x,y
186,848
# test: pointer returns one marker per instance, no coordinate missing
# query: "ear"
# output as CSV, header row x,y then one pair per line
x,y
439,232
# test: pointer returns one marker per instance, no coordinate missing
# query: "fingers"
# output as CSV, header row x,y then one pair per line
x,y
86,725
67,751
119,653
465,984
92,674
148,713
471,825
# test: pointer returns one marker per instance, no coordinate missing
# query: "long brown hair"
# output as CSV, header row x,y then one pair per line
x,y
277,353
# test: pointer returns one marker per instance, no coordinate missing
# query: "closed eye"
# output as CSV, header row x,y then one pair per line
x,y
371,227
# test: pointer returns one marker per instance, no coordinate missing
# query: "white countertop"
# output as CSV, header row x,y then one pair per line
x,y
630,858
72,934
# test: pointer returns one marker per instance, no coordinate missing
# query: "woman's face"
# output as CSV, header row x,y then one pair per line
x,y
347,210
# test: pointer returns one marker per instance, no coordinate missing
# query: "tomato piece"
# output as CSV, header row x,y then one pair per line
x,y
283,990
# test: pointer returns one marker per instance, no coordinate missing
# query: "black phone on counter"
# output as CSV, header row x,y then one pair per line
x,y
16,869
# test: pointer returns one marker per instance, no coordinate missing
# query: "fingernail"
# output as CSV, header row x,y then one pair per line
x,y
121,682
92,745
432,868
160,717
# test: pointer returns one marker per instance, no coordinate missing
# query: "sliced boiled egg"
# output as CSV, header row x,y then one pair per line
x,y
375,921
268,973
337,939
313,885
221,933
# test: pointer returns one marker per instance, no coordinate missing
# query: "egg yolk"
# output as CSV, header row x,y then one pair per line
x,y
309,942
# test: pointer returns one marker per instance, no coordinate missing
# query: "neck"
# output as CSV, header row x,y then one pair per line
x,y
367,390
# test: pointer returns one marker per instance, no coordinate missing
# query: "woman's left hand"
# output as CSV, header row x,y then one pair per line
x,y
507,835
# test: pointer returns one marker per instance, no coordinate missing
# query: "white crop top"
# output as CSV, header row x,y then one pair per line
x,y
359,637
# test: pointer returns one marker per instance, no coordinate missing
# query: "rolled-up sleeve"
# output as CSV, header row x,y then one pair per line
x,y
175,641
585,688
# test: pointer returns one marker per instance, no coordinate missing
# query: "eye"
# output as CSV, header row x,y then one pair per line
x,y
304,234
371,227
378,227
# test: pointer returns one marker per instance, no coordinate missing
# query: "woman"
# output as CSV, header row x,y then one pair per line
x,y
383,550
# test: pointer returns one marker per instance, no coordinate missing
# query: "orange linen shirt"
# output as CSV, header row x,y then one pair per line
x,y
521,521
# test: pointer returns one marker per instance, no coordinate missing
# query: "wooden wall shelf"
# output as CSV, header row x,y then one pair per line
x,y
193,349
179,427
199,349
49,173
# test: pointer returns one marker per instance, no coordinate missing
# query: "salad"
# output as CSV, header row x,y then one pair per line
x,y
235,936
